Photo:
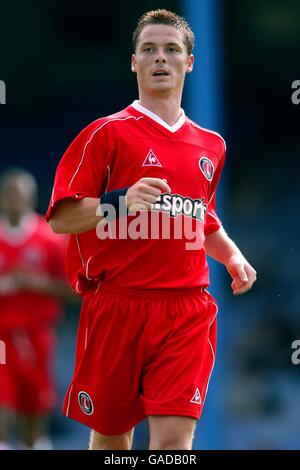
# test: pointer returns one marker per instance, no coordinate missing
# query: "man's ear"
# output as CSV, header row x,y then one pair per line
x,y
133,63
190,63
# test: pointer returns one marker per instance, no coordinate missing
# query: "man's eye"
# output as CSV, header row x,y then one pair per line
x,y
148,49
172,49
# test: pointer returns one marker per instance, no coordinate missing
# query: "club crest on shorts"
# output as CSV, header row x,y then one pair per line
x,y
85,403
207,167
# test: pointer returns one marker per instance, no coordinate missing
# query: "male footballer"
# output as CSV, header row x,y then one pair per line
x,y
133,189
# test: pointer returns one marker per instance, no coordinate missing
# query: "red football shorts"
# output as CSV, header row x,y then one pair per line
x,y
26,381
140,354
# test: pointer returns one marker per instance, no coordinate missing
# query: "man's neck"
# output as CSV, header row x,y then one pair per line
x,y
14,221
17,220
167,109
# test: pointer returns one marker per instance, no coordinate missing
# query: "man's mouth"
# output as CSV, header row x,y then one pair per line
x,y
160,73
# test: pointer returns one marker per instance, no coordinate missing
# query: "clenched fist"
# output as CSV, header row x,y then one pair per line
x,y
143,194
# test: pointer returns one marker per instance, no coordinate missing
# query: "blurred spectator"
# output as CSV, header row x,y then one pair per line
x,y
32,288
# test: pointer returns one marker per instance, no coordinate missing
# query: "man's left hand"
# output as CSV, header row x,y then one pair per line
x,y
242,273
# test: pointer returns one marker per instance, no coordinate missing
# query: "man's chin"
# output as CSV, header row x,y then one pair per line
x,y
161,87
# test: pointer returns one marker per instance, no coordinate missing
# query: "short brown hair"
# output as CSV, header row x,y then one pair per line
x,y
169,18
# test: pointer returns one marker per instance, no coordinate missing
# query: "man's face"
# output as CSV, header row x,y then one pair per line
x,y
161,60
16,197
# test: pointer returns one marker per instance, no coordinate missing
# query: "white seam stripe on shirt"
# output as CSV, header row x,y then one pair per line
x,y
108,178
78,247
90,139
87,269
69,398
212,215
208,130
211,197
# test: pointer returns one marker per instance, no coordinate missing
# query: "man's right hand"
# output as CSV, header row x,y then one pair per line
x,y
143,194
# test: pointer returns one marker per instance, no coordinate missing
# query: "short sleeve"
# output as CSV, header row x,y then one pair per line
x,y
212,222
83,169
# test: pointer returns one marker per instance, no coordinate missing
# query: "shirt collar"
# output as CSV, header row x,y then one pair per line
x,y
136,105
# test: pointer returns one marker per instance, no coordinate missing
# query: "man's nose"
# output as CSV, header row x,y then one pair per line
x,y
160,57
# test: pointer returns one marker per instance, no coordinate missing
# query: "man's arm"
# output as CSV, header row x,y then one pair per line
x,y
220,247
39,283
44,284
73,216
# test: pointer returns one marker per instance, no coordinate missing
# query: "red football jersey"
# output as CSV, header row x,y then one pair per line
x,y
116,151
31,248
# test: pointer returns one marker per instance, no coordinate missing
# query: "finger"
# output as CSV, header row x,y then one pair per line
x,y
158,183
237,284
149,198
140,206
240,270
242,290
151,190
252,274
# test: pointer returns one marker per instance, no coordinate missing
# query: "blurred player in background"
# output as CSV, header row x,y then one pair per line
x,y
147,334
32,287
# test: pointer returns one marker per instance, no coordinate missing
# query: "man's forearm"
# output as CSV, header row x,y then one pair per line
x,y
75,216
219,246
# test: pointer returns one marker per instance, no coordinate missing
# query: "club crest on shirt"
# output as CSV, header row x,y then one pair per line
x,y
85,403
207,167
